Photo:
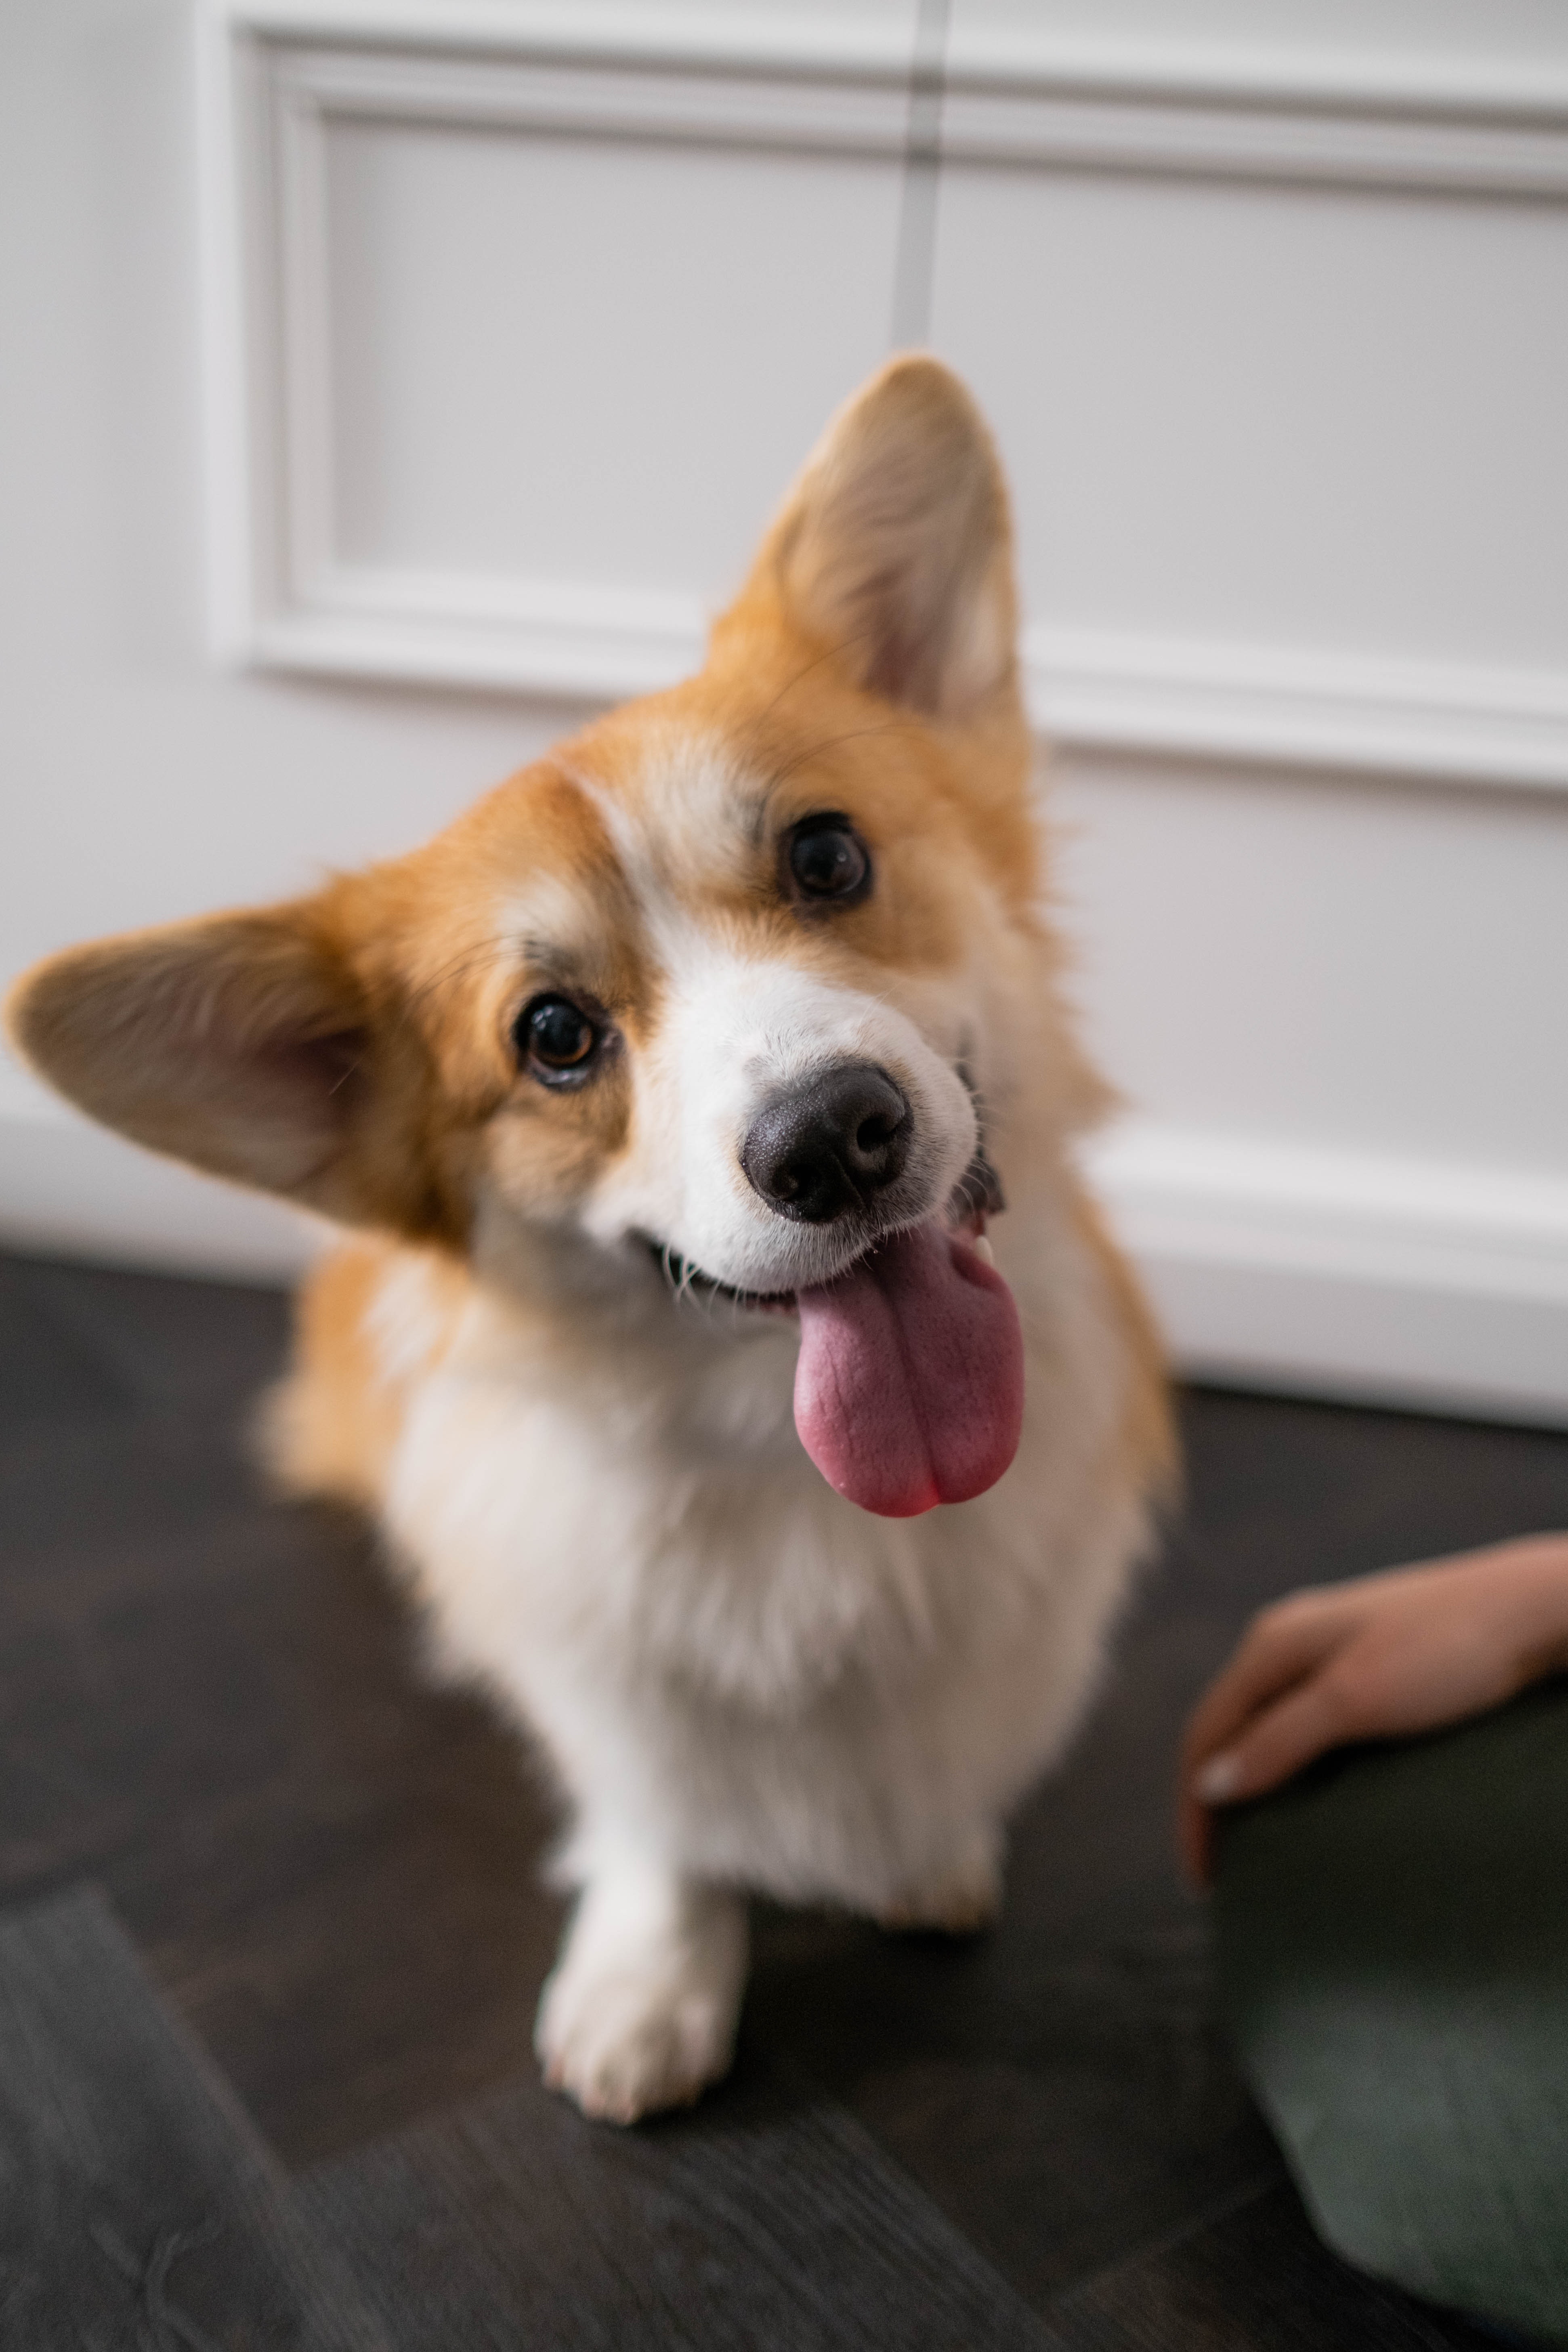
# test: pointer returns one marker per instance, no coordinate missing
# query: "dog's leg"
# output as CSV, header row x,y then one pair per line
x,y
957,1898
639,2010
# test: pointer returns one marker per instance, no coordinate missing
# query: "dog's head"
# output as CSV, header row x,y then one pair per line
x,y
723,982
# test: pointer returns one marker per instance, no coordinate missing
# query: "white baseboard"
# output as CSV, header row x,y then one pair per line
x,y
68,1189
1275,1265
1391,1280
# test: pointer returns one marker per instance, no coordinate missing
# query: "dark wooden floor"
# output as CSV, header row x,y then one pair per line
x,y
209,1704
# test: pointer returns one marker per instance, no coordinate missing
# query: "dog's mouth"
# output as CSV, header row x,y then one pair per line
x,y
909,1388
976,1196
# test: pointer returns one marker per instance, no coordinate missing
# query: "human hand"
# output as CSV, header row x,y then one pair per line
x,y
1379,1657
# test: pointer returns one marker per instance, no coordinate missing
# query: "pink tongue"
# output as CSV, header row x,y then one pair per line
x,y
909,1389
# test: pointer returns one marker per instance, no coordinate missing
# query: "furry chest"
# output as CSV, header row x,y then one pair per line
x,y
556,1534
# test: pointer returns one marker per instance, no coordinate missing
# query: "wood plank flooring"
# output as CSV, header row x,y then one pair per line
x,y
139,2206
210,1705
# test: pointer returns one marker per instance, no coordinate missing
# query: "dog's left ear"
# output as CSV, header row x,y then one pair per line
x,y
894,547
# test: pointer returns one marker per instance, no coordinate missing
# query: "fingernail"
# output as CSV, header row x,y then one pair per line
x,y
1219,1780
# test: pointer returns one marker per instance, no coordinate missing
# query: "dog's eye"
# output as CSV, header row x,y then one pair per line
x,y
555,1039
827,859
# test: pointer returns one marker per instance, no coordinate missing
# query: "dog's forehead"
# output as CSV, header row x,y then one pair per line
x,y
685,821
598,868
685,817
533,862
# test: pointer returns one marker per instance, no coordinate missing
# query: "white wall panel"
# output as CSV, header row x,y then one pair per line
x,y
580,359
1275,355
1310,416
522,344
1312,961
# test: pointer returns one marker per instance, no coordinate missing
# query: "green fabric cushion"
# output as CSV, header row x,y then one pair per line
x,y
1393,1942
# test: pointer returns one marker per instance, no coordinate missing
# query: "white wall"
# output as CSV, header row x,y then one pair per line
x,y
511,340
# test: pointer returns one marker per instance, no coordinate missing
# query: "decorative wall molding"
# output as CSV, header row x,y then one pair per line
x,y
1090,690
275,75
875,38
279,595
530,636
1355,1274
1451,722
1009,51
723,105
1146,112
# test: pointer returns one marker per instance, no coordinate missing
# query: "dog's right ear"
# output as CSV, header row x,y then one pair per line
x,y
237,1043
894,548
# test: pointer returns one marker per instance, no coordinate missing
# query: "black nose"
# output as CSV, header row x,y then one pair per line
x,y
822,1148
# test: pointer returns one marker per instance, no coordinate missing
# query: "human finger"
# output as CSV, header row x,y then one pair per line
x,y
1194,1836
1317,1714
1279,1648
1276,1744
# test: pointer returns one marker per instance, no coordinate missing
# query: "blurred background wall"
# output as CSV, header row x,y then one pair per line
x,y
387,381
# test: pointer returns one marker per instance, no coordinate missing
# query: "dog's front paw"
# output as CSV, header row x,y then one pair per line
x,y
632,2022
624,2046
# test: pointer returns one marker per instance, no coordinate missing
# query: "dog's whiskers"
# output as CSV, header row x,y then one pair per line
x,y
689,1285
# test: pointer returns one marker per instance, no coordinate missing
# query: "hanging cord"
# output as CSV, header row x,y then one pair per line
x,y
916,254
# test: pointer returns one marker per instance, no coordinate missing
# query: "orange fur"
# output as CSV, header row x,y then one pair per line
x,y
333,1428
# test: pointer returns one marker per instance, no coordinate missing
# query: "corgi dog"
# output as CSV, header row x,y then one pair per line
x,y
725,1341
